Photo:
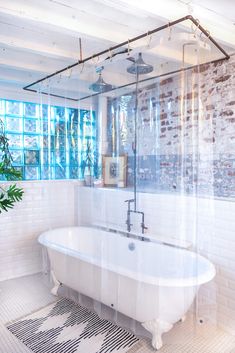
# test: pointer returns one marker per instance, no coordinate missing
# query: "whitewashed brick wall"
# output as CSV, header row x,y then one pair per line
x,y
209,224
46,204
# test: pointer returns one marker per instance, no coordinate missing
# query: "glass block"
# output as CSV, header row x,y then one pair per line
x,y
44,111
46,157
45,172
49,140
85,116
30,109
74,158
45,127
17,156
60,157
45,141
89,130
13,108
31,141
60,128
74,172
73,116
60,172
21,170
75,143
31,157
31,173
60,113
2,106
13,124
31,126
15,140
57,129
60,141
74,129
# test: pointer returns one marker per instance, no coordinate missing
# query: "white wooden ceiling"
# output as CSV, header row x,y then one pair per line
x,y
39,37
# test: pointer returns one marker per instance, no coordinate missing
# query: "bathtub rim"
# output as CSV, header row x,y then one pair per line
x,y
156,281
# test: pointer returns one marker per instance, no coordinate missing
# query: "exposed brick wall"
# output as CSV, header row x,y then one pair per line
x,y
186,132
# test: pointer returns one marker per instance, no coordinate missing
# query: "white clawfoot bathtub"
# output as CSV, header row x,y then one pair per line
x,y
152,283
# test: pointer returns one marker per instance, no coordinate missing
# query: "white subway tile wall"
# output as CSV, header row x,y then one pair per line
x,y
45,205
209,224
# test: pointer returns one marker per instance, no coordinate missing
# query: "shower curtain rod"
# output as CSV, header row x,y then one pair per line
x,y
170,24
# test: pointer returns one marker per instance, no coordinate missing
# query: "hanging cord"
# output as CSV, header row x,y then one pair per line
x,y
110,55
80,49
95,62
149,39
70,73
59,79
80,55
82,68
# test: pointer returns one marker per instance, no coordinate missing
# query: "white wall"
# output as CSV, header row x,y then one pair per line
x,y
209,224
46,204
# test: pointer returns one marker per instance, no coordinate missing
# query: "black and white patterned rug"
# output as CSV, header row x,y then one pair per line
x,y
66,327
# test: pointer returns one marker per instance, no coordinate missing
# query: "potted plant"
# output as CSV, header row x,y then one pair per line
x,y
10,194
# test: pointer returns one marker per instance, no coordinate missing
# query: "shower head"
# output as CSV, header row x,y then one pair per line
x,y
140,67
100,86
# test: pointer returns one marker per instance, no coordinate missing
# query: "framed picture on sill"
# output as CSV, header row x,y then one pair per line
x,y
114,170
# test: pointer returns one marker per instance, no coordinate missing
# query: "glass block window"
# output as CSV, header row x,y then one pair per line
x,y
49,142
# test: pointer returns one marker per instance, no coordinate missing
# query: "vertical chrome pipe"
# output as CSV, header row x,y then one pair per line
x,y
135,141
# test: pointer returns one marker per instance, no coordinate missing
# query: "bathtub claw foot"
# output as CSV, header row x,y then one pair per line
x,y
57,284
157,328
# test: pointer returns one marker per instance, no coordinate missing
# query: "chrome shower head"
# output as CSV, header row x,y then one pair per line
x,y
100,86
140,67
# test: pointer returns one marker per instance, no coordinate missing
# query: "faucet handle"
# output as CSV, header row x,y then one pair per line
x,y
130,200
143,226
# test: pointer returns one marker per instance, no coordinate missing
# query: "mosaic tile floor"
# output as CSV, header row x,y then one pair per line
x,y
21,296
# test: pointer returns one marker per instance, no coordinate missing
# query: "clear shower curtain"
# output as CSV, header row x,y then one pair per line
x,y
151,191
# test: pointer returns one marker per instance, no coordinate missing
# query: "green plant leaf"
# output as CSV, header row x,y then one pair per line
x,y
5,203
14,193
8,196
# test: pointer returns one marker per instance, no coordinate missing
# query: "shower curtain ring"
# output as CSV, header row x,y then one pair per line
x,y
169,31
128,47
93,59
59,78
110,55
208,34
70,73
81,71
149,39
